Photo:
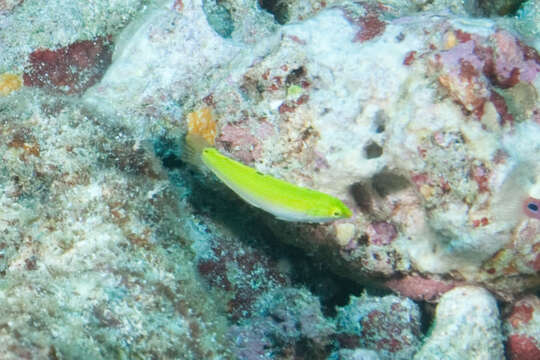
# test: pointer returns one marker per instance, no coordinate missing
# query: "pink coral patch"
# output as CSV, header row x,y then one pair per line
x,y
460,68
370,24
522,313
381,233
237,139
480,175
409,58
419,288
512,64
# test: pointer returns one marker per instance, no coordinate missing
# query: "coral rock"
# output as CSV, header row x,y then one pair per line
x,y
522,328
466,322
389,325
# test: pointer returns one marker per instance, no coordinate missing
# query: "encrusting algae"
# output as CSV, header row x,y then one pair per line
x,y
9,83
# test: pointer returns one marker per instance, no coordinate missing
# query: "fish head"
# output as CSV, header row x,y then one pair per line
x,y
334,210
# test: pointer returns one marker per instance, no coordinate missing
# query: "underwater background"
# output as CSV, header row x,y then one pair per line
x,y
422,117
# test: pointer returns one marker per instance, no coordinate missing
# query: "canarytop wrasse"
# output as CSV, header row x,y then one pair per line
x,y
282,199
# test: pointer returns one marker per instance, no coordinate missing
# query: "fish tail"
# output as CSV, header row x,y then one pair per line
x,y
192,149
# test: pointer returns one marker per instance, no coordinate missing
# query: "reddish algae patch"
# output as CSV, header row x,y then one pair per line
x,y
370,24
419,288
71,69
522,313
409,58
521,347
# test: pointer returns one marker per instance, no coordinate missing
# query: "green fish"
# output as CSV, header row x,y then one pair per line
x,y
280,198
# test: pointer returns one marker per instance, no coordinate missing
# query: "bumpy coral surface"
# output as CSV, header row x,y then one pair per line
x,y
416,122
93,252
71,69
289,323
389,325
417,125
422,116
523,329
466,325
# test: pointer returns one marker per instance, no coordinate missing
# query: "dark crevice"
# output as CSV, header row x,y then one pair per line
x,y
362,196
499,7
373,150
387,182
278,8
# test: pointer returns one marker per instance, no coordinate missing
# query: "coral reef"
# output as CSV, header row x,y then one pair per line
x,y
423,117
388,325
56,24
522,329
94,261
288,324
466,324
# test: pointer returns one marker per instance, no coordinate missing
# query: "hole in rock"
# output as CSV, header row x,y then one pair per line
x,y
278,8
499,8
296,76
387,182
373,150
362,196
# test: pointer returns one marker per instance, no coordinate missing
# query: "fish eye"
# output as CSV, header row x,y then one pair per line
x,y
337,213
531,206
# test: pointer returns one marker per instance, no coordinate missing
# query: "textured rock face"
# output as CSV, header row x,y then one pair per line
x,y
288,322
426,124
417,123
522,328
30,25
389,326
466,325
75,222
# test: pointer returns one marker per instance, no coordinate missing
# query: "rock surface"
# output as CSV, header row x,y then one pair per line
x,y
466,326
522,329
415,122
418,123
422,116
388,325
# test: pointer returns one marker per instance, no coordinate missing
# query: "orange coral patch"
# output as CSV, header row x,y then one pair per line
x,y
202,122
